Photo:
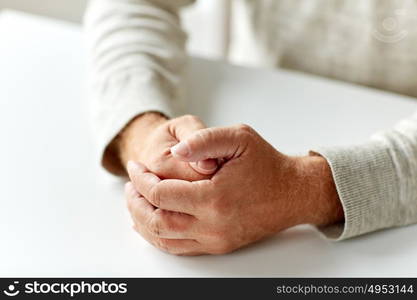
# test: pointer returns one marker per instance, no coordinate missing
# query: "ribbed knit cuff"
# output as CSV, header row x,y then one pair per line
x,y
367,185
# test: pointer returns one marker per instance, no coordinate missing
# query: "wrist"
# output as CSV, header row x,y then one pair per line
x,y
320,201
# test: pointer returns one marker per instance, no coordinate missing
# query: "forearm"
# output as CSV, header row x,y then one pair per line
x,y
136,51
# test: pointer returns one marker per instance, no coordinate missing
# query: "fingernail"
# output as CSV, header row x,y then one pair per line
x,y
208,165
181,149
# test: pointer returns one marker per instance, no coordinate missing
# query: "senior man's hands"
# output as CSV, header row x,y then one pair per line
x,y
148,139
256,193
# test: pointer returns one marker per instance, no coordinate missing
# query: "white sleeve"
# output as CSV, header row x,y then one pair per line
x,y
136,58
376,181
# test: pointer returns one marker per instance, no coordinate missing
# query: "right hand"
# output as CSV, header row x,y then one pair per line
x,y
257,192
148,140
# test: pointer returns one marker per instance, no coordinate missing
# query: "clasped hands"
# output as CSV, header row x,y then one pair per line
x,y
196,190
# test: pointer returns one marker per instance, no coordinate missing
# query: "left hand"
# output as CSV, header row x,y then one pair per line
x,y
256,193
148,139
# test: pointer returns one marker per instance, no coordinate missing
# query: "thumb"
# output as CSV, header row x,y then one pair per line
x,y
205,167
185,126
213,143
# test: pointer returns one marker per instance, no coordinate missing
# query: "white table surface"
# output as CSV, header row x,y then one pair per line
x,y
61,215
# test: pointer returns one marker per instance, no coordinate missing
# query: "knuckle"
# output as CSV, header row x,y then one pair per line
x,y
176,251
191,118
166,245
166,223
131,208
244,133
244,129
154,224
129,203
162,244
155,195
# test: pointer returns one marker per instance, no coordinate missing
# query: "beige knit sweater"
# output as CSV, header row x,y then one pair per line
x,y
137,57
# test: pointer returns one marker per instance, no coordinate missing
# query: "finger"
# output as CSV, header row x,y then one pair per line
x,y
225,142
205,167
173,246
142,179
170,194
170,167
184,127
161,223
135,201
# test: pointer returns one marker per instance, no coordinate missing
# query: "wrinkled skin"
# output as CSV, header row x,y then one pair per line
x,y
255,193
148,140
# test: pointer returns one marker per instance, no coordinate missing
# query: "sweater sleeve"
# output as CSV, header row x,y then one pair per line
x,y
136,58
376,181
